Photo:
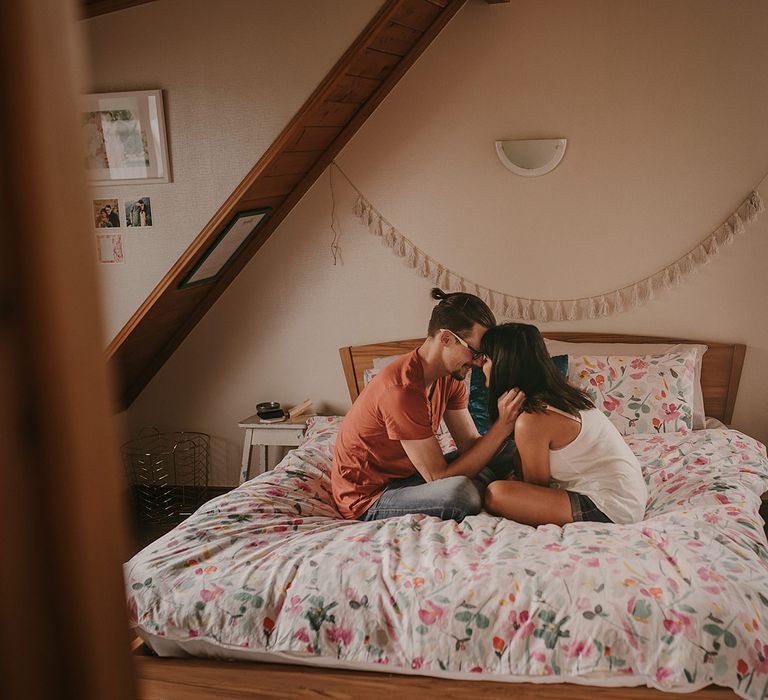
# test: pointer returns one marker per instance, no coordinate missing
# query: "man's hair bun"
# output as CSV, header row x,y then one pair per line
x,y
458,312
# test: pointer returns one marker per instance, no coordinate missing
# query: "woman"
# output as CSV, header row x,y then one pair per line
x,y
574,464
102,220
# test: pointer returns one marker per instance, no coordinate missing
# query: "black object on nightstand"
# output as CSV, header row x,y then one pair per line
x,y
270,411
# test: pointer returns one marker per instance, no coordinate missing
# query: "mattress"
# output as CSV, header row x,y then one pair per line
x,y
270,572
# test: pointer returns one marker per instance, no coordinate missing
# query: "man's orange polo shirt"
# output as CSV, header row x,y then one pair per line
x,y
393,407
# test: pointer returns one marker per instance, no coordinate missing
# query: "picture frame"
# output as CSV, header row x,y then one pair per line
x,y
110,249
125,138
225,248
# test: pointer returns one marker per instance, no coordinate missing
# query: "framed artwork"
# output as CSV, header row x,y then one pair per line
x,y
225,248
125,138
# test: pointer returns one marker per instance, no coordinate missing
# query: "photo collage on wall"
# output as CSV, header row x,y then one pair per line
x,y
107,214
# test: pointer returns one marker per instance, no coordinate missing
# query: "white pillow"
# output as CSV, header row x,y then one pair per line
x,y
560,347
382,362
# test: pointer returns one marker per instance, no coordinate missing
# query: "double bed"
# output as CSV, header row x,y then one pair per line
x,y
270,572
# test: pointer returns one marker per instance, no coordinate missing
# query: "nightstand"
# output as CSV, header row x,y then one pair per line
x,y
287,433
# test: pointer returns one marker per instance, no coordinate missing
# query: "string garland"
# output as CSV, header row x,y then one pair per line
x,y
543,310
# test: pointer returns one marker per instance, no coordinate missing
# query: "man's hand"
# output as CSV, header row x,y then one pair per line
x,y
510,405
428,459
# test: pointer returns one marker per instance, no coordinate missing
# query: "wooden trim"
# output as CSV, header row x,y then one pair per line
x,y
397,40
347,364
418,15
93,8
720,371
737,362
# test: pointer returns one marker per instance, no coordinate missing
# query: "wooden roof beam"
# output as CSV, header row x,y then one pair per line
x,y
355,86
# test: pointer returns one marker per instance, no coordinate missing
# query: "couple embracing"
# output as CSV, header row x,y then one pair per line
x,y
549,456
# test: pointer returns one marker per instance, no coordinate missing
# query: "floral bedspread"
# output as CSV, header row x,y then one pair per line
x,y
677,601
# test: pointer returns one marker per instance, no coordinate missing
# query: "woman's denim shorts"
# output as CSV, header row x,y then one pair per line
x,y
585,510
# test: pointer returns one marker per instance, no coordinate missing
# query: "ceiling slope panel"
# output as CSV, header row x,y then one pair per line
x,y
363,76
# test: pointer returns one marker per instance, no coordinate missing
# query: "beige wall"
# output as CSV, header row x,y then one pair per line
x,y
666,116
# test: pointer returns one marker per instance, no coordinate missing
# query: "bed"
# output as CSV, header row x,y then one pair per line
x,y
269,572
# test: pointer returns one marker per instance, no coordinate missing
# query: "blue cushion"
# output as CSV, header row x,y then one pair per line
x,y
478,400
478,394
561,362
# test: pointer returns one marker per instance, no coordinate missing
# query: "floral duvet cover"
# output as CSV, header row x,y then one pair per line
x,y
678,601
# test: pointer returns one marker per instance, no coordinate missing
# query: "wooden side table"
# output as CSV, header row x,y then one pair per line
x,y
287,433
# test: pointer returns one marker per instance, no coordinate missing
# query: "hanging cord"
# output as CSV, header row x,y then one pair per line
x,y
335,165
762,180
335,223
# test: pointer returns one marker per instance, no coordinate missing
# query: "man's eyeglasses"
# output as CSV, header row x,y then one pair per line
x,y
476,354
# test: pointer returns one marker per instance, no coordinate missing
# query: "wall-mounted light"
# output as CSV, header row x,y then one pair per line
x,y
225,248
531,157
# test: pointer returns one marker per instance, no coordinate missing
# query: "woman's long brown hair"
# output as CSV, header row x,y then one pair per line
x,y
520,359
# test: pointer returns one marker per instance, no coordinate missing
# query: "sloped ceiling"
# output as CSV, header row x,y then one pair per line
x,y
363,76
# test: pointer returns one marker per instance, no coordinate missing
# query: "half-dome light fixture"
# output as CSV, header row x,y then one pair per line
x,y
531,157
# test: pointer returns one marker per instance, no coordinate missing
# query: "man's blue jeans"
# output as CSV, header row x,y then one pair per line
x,y
452,498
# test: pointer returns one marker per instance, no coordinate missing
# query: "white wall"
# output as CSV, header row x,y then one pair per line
x,y
233,73
667,121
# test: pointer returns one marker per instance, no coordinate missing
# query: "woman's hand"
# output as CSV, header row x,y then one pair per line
x,y
510,405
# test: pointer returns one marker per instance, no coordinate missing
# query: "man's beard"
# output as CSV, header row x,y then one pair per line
x,y
459,375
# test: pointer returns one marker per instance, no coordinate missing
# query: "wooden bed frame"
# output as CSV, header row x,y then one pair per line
x,y
720,369
199,679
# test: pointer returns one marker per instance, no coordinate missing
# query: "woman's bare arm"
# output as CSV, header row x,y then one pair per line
x,y
532,441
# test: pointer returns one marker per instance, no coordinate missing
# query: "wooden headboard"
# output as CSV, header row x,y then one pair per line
x,y
720,369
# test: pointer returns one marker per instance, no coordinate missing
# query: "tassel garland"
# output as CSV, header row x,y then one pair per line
x,y
544,310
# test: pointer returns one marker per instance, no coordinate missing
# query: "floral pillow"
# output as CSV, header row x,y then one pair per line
x,y
323,426
321,432
639,394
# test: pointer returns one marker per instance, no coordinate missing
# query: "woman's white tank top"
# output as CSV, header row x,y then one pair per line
x,y
599,464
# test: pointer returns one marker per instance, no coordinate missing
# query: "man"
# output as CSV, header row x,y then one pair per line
x,y
139,214
112,216
388,461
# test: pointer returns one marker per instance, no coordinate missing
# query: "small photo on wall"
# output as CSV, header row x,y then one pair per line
x,y
106,213
110,248
138,213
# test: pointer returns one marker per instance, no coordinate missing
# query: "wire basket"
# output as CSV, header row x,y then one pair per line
x,y
169,473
